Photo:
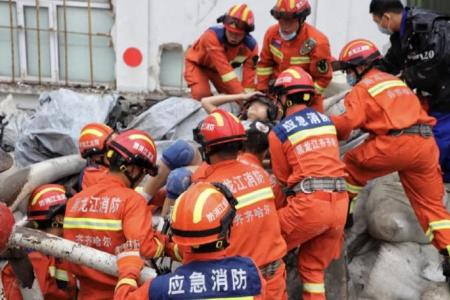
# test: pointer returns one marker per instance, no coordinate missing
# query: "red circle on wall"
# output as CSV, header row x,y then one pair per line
x,y
132,57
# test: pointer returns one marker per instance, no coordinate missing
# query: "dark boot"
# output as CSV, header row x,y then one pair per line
x,y
446,269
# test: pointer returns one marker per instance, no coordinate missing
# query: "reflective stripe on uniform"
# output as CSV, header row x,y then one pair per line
x,y
314,288
436,225
354,189
299,60
249,90
276,52
176,251
58,273
238,59
254,197
127,281
260,71
229,76
307,133
91,223
381,87
320,89
160,249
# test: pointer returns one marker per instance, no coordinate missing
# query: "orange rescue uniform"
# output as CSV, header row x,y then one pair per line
x,y
104,216
256,230
51,273
92,175
310,50
378,104
211,58
302,145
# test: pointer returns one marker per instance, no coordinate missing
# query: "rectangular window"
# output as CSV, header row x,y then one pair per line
x,y
9,42
57,41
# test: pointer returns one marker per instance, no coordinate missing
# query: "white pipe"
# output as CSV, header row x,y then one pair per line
x,y
68,250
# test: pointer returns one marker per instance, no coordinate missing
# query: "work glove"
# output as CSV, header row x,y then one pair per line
x,y
177,182
129,261
141,191
179,154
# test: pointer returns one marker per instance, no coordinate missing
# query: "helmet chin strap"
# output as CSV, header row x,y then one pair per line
x,y
133,180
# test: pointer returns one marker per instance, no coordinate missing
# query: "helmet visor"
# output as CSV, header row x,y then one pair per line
x,y
238,24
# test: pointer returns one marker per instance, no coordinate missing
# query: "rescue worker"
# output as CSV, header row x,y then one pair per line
x,y
92,145
256,105
305,159
256,231
207,271
419,51
219,51
401,139
293,42
45,212
105,215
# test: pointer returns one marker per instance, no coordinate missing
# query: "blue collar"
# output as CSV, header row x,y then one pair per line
x,y
403,23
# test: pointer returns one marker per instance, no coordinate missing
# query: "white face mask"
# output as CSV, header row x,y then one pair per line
x,y
384,30
287,37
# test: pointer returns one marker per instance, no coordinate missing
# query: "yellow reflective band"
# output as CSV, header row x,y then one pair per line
x,y
176,250
38,195
276,52
218,117
307,133
245,14
160,249
91,223
235,9
175,208
142,137
291,4
314,288
264,71
448,249
352,205
91,131
200,203
254,197
239,59
381,87
319,88
294,73
249,90
229,76
437,225
127,281
354,189
58,273
298,60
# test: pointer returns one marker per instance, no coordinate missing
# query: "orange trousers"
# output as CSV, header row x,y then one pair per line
x,y
416,160
315,222
198,78
276,285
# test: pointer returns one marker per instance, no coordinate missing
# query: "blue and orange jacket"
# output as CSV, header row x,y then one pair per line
x,y
212,52
304,144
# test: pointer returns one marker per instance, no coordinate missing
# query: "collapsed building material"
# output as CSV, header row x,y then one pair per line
x,y
13,236
16,185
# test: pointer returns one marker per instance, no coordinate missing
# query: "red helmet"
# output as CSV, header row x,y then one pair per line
x,y
239,19
219,127
289,9
135,147
356,53
203,214
45,201
93,138
294,80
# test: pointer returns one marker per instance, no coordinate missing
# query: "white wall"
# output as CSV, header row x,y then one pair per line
x,y
182,21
